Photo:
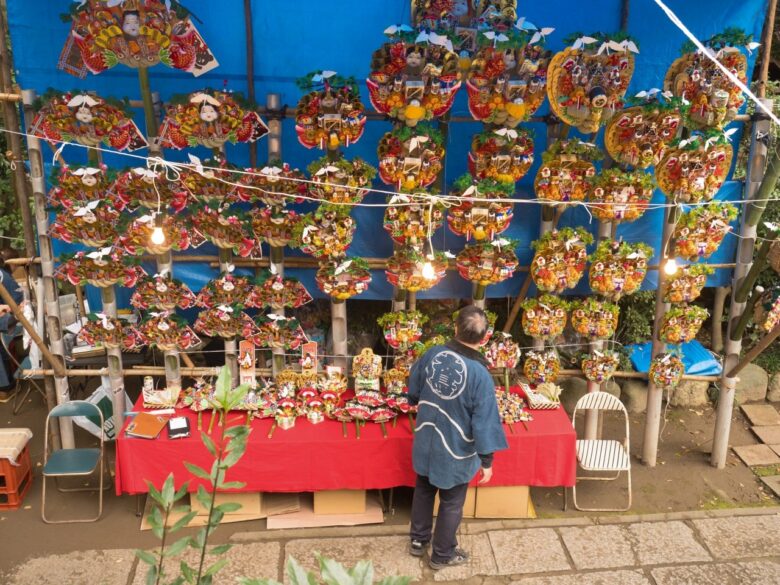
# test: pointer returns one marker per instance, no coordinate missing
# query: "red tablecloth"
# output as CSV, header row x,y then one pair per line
x,y
318,457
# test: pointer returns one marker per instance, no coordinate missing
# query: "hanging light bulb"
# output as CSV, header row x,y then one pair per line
x,y
428,272
158,235
670,267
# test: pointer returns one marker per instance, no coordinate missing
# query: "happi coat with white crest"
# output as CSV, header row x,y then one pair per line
x,y
457,417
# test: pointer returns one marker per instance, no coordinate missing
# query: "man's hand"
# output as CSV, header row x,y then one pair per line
x,y
4,310
486,473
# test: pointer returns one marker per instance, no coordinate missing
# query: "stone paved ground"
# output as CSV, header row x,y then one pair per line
x,y
719,547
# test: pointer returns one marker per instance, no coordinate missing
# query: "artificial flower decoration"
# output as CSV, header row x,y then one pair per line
x,y
640,135
88,120
481,213
681,323
167,331
504,155
410,219
325,233
686,284
209,118
92,224
341,181
274,225
228,289
277,332
343,279
226,321
487,263
414,77
136,34
545,317
586,81
331,115
101,268
100,329
618,268
767,311
541,366
666,371
275,292
275,184
411,158
714,99
402,328
75,186
163,292
502,351
693,170
594,319
224,227
599,366
149,188
560,259
700,231
508,75
566,167
405,269
618,195
137,237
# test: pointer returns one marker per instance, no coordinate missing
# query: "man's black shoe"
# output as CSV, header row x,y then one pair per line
x,y
460,557
417,548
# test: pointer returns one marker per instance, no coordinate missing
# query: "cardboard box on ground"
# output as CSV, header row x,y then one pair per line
x,y
496,502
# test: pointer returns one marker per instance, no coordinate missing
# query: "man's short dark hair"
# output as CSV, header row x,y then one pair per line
x,y
471,325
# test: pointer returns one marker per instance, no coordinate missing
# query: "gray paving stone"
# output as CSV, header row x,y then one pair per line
x,y
598,547
99,567
733,538
769,435
389,554
753,455
761,415
481,561
658,543
259,560
598,578
535,550
753,573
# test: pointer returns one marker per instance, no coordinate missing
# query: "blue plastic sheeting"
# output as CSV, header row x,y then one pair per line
x,y
294,38
698,360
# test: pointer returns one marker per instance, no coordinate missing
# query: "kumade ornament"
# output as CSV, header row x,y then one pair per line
x,y
149,188
276,292
227,289
502,351
618,195
224,227
481,212
367,370
225,321
166,331
566,168
714,99
88,120
503,154
618,268
210,118
666,371
405,269
101,268
560,259
586,81
686,284
767,311
681,323
594,319
331,115
277,332
162,292
135,33
414,77
274,225
401,328
487,263
541,366
340,181
342,279
325,233
109,332
275,184
137,237
410,218
208,180
92,224
75,186
699,232
599,366
411,158
544,317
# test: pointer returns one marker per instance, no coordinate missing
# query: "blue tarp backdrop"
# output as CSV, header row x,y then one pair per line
x,y
293,38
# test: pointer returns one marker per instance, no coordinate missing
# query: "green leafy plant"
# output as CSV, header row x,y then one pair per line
x,y
331,573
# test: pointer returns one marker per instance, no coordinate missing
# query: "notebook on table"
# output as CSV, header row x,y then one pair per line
x,y
146,425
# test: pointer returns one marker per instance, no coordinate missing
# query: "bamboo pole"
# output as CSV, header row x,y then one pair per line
x,y
755,351
231,345
718,304
114,360
276,259
250,70
756,182
51,293
766,47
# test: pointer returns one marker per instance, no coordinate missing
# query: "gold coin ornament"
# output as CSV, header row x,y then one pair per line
x,y
666,371
481,212
586,81
504,154
714,99
405,269
681,323
639,135
693,170
544,317
330,116
560,259
486,263
618,268
342,181
594,319
567,165
409,217
699,232
342,279
619,195
411,158
686,285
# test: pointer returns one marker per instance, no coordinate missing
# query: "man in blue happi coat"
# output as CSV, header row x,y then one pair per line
x,y
458,430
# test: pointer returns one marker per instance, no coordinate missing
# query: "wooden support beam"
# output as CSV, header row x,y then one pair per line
x,y
754,352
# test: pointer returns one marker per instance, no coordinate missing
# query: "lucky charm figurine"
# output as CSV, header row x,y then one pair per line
x,y
210,118
411,158
700,231
481,214
586,81
135,33
714,99
618,195
686,285
341,181
594,319
487,263
343,279
560,259
503,155
367,370
409,218
566,167
618,268
88,120
414,77
545,317
331,115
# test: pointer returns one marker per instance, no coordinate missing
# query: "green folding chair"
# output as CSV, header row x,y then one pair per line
x,y
73,462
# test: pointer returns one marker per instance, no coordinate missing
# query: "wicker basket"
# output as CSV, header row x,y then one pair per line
x,y
538,402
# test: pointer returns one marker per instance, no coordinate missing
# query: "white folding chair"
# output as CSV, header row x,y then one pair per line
x,y
602,455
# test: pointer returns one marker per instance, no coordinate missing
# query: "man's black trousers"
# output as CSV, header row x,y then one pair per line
x,y
447,522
